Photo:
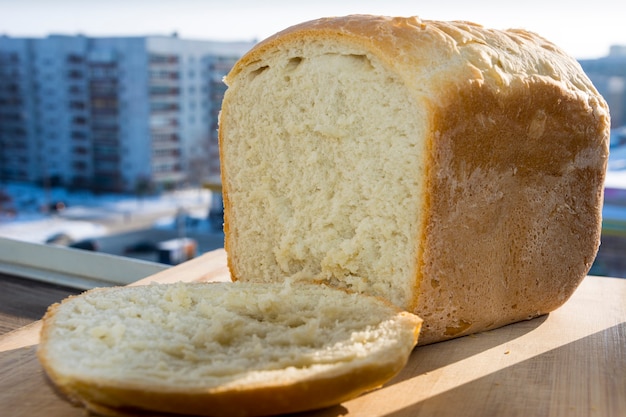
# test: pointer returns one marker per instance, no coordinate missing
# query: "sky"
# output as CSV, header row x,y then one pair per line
x,y
583,28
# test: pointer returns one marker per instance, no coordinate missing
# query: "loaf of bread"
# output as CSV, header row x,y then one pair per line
x,y
455,170
222,349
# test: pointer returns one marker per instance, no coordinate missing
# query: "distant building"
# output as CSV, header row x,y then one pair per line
x,y
608,74
111,114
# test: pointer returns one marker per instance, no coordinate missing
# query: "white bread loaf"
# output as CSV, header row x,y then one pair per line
x,y
455,170
222,349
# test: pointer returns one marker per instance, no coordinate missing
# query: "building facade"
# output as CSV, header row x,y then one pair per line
x,y
111,114
608,74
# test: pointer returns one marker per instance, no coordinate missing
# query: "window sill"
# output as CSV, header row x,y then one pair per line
x,y
70,267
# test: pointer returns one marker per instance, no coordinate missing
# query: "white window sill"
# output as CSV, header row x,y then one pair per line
x,y
70,267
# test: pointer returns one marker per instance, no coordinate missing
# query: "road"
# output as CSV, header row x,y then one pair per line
x,y
130,228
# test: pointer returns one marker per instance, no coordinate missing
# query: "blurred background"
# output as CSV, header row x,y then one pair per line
x,y
108,110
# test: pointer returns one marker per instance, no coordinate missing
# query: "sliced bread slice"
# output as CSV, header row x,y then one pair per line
x,y
222,349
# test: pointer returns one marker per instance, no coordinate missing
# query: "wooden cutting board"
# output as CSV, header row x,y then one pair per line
x,y
569,363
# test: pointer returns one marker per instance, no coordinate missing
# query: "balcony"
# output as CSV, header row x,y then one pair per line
x,y
104,122
161,124
164,91
164,139
75,59
160,77
80,150
80,120
103,88
75,74
79,135
77,105
164,107
163,59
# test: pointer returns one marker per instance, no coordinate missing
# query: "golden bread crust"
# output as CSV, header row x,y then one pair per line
x,y
111,400
512,229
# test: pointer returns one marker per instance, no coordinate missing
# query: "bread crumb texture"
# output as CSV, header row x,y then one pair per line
x,y
328,189
208,339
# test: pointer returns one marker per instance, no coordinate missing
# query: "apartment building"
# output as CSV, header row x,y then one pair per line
x,y
111,114
608,74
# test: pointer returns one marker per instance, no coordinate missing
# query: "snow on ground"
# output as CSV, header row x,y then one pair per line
x,y
616,179
86,215
40,230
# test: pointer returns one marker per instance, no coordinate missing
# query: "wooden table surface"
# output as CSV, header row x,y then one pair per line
x,y
571,362
23,301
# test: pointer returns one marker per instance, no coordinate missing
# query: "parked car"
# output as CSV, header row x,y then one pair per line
x,y
175,251
56,206
62,239
142,246
86,244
